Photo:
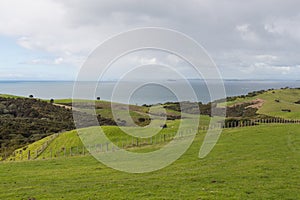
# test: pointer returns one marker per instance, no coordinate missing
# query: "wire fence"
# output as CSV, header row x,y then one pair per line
x,y
45,151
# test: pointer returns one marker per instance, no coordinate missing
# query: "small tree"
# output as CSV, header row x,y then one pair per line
x,y
31,96
51,101
98,98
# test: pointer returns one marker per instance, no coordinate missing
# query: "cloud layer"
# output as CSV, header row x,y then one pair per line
x,y
255,38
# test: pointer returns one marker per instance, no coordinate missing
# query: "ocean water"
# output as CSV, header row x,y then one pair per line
x,y
148,94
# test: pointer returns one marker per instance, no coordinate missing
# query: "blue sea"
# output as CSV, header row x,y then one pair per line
x,y
149,94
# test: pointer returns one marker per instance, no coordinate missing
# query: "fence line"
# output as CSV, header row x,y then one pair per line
x,y
138,142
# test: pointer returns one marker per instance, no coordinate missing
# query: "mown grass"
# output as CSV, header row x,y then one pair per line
x,y
260,162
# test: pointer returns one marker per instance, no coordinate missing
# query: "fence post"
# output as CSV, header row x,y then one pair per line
x,y
28,154
5,153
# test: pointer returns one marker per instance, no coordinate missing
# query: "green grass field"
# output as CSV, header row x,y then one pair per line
x,y
261,162
257,162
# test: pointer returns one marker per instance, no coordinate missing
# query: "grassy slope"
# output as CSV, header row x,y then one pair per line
x,y
106,105
71,139
104,109
247,163
10,96
287,97
22,153
65,140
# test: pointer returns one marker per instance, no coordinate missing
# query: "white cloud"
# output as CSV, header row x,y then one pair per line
x,y
234,33
266,57
246,33
288,27
269,70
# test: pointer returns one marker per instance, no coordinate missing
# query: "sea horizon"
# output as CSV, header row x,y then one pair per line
x,y
149,94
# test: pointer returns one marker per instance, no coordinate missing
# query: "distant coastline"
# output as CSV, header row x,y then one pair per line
x,y
150,94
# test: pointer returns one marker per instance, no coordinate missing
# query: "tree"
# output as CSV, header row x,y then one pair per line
x,y
51,100
31,96
98,98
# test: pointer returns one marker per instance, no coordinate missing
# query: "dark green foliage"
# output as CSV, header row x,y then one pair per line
x,y
233,122
241,110
191,108
26,120
142,119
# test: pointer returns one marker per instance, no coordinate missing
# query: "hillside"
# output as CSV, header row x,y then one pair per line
x,y
139,114
247,163
261,161
26,120
67,143
283,103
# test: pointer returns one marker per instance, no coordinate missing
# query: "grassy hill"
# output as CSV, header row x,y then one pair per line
x,y
257,162
68,143
26,120
276,103
139,114
261,162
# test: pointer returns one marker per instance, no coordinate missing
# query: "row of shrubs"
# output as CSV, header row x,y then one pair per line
x,y
239,110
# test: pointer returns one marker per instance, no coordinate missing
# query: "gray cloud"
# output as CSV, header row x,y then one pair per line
x,y
253,37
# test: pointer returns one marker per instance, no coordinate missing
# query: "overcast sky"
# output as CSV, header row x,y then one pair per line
x,y
50,39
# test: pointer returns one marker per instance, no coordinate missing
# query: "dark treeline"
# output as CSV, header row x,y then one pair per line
x,y
26,120
241,110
